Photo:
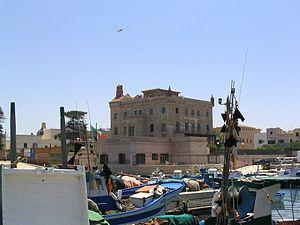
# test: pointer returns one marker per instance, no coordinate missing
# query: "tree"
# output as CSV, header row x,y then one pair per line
x,y
76,126
1,128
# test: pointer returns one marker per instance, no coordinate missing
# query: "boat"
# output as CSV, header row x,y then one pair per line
x,y
240,200
147,204
278,197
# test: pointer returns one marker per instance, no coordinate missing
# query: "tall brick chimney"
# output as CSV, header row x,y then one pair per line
x,y
119,91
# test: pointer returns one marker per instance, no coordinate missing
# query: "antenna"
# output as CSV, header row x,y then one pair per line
x,y
87,101
243,74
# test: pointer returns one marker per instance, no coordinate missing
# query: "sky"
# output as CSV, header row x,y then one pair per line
x,y
67,53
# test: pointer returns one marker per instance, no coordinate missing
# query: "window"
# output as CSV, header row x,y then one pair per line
x,y
177,127
140,112
151,111
103,158
164,158
192,112
163,127
151,127
271,132
34,145
125,131
198,128
186,112
206,114
291,140
193,128
163,110
25,145
207,127
116,130
115,115
135,112
281,141
131,131
186,127
271,142
125,114
176,110
297,134
140,158
260,141
121,158
154,156
198,113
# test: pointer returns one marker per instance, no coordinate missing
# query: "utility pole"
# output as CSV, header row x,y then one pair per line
x,y
13,145
64,158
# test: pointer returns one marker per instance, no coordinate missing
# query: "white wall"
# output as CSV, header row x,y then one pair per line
x,y
260,137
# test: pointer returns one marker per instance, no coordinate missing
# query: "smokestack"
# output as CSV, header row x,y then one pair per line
x,y
13,146
64,158
212,100
119,91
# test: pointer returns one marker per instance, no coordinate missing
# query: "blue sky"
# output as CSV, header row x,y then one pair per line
x,y
67,53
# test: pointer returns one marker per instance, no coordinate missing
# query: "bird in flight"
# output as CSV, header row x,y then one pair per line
x,y
120,30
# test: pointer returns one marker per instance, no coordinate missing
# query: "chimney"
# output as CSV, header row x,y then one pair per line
x,y
119,91
212,100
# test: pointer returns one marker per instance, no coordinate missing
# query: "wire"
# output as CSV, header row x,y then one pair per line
x,y
243,74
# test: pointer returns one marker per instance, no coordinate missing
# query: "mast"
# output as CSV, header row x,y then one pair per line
x,y
231,130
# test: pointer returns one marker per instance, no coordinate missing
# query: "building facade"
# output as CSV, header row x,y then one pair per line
x,y
159,113
260,139
44,155
279,136
43,139
156,127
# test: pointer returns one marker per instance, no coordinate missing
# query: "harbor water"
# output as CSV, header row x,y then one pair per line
x,y
283,209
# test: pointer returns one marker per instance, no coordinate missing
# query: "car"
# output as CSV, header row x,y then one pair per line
x,y
266,161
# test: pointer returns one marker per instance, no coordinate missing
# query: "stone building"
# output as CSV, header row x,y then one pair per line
x,y
45,138
279,136
157,127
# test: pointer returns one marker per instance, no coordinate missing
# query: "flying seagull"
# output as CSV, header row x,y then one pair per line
x,y
120,30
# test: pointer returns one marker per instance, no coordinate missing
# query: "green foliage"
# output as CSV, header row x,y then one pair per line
x,y
292,146
76,126
1,127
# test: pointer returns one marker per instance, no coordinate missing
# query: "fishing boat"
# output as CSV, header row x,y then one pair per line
x,y
239,201
147,204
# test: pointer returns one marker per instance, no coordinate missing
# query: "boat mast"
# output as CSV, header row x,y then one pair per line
x,y
231,130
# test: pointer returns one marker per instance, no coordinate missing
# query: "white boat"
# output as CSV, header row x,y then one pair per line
x,y
278,197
